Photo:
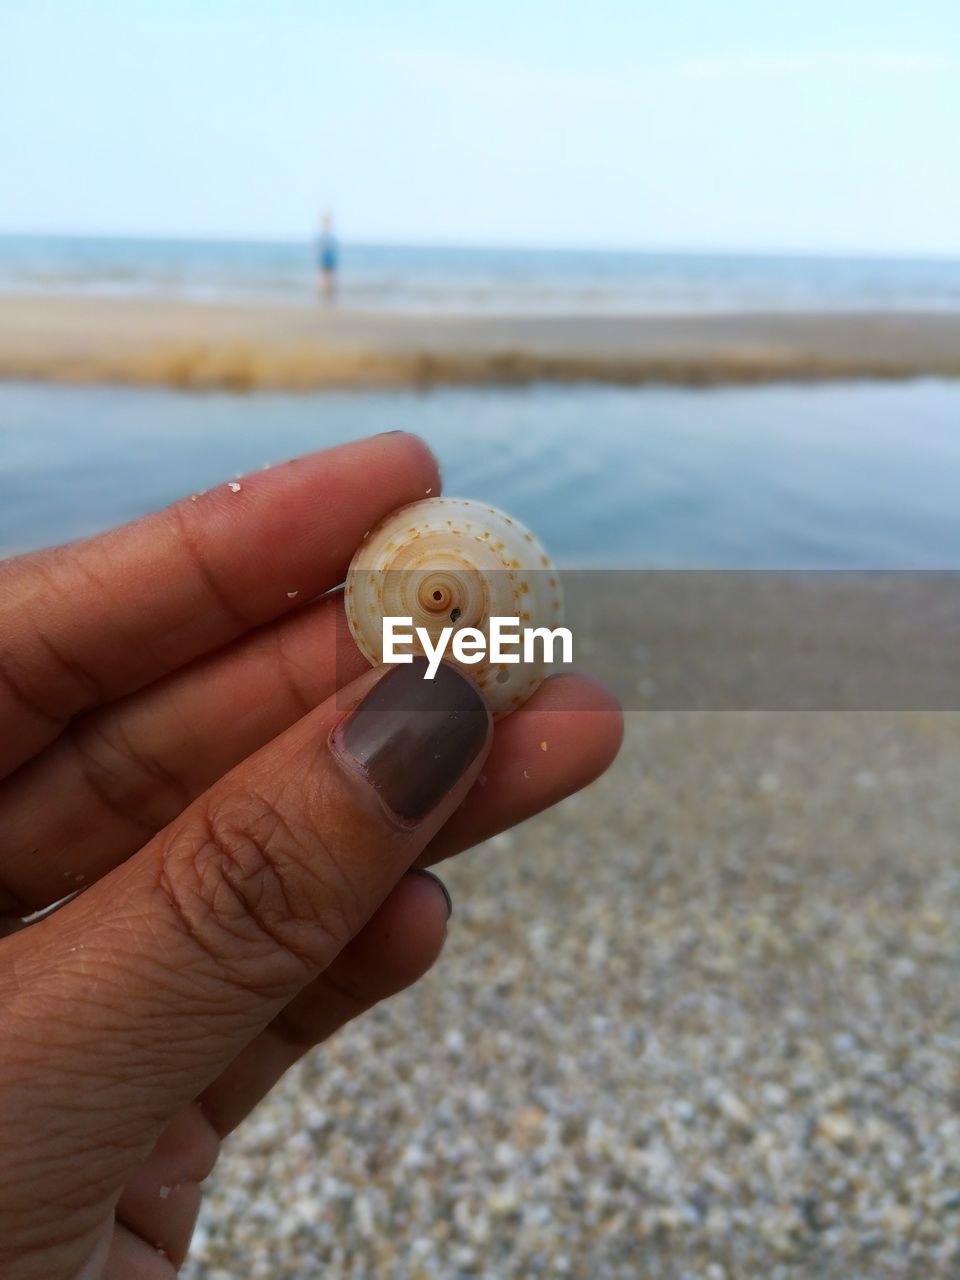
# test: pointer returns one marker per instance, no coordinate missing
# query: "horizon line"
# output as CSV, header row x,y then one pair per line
x,y
510,246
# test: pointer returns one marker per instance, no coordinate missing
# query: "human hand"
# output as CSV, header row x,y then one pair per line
x,y
245,837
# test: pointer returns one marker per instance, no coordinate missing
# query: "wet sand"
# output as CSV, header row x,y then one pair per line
x,y
246,347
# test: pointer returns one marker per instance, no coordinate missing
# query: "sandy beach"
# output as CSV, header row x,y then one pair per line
x,y
174,343
701,1021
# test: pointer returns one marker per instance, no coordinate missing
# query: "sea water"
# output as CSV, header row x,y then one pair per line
x,y
482,281
858,475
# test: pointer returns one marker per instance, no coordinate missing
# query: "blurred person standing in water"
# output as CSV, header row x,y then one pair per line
x,y
327,259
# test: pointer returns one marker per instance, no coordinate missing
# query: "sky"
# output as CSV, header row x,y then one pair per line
x,y
743,125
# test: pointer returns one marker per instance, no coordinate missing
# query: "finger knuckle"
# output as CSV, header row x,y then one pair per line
x,y
131,786
253,892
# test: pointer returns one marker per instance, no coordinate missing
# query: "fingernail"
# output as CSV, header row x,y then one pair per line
x,y
422,871
412,738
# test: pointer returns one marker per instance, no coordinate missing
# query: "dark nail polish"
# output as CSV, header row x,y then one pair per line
x,y
412,738
422,871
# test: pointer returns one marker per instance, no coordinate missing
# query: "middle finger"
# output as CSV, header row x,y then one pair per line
x,y
124,772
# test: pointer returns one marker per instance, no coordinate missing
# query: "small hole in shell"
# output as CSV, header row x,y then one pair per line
x,y
454,615
502,677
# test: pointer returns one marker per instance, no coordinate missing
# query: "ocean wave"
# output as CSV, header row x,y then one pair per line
x,y
394,279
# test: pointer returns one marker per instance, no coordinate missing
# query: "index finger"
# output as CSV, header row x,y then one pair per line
x,y
85,623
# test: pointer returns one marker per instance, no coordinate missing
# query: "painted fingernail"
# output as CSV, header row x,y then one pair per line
x,y
412,738
422,871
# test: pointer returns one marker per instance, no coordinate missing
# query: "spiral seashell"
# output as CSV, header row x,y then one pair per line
x,y
450,562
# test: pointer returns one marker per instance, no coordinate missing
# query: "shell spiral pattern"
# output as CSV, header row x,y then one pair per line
x,y
450,562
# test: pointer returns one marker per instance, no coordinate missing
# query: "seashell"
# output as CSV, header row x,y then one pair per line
x,y
450,562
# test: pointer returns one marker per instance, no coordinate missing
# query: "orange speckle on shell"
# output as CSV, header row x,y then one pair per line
x,y
510,549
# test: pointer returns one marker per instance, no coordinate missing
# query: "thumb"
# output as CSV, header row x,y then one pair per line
x,y
132,999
